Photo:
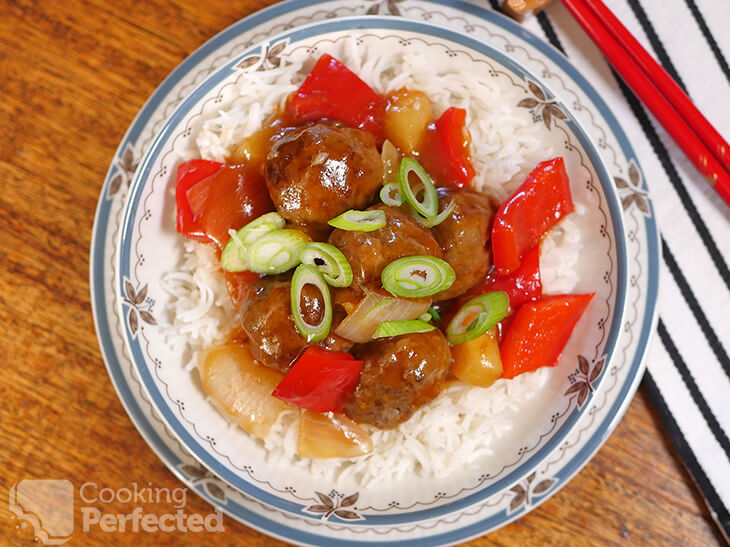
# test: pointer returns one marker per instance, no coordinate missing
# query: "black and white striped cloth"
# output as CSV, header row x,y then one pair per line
x,y
688,374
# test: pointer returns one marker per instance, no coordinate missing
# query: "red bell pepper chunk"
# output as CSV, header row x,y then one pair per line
x,y
535,207
454,140
190,173
539,331
522,285
213,198
320,380
331,90
238,284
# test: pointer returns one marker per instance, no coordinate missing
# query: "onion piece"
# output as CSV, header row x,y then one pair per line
x,y
241,388
391,161
360,325
477,362
330,435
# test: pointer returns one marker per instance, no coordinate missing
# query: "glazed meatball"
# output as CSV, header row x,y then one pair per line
x,y
315,172
369,252
463,238
268,323
398,376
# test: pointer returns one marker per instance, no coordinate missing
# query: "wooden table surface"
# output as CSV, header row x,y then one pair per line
x,y
72,77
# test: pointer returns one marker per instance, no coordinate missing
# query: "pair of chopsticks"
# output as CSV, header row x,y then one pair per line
x,y
701,142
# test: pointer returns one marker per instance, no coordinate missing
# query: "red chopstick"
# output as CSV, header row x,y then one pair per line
x,y
702,144
665,84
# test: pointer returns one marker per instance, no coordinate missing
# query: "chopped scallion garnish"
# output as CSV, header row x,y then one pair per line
x,y
329,261
304,275
429,205
398,328
235,254
434,314
359,221
438,219
390,194
276,252
417,276
477,316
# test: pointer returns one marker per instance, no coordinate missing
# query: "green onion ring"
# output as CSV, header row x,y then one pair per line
x,y
390,194
306,274
489,308
429,207
417,276
329,261
234,257
359,221
434,314
425,317
397,328
277,251
235,254
438,219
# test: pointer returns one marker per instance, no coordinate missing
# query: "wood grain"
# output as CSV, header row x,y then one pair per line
x,y
72,77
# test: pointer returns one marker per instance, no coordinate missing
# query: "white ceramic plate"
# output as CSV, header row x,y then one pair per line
x,y
456,515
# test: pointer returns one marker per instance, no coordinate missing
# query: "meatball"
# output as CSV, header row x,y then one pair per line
x,y
463,238
315,172
267,321
398,376
369,252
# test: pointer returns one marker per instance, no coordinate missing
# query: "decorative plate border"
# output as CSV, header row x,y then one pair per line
x,y
643,238
202,447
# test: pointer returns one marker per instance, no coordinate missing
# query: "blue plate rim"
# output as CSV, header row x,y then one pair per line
x,y
104,207
202,453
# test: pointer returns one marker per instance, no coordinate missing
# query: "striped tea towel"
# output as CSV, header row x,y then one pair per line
x,y
688,364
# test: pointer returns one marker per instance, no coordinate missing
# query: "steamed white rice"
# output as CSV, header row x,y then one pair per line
x,y
462,424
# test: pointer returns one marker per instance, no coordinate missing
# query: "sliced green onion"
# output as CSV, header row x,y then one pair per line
x,y
417,276
397,328
234,257
425,317
359,221
438,219
235,254
429,207
390,194
277,251
260,226
482,313
306,274
434,314
329,261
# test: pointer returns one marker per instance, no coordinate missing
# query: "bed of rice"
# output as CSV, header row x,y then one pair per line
x,y
464,423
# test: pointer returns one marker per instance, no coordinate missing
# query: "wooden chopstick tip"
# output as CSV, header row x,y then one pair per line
x,y
521,9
